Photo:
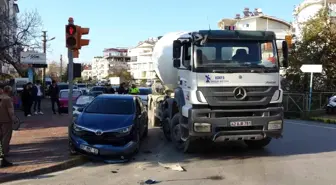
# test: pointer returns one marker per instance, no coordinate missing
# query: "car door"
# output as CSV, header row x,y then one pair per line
x,y
139,116
144,117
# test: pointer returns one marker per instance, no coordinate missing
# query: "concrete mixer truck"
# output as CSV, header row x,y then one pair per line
x,y
225,85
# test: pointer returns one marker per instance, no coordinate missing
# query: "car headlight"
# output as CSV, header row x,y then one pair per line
x,y
125,130
77,128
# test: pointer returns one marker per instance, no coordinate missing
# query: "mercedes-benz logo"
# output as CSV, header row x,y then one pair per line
x,y
239,93
99,132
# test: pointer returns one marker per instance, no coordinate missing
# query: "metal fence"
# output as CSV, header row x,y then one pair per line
x,y
299,102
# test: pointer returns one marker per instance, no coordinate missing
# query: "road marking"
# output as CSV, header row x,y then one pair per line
x,y
311,125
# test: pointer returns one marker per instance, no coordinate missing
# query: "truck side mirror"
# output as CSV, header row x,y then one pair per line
x,y
177,63
285,54
177,49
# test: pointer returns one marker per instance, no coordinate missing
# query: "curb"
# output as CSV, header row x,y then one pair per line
x,y
75,161
324,120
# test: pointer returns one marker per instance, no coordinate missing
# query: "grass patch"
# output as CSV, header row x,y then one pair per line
x,y
324,120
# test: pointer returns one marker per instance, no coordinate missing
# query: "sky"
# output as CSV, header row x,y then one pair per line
x,y
115,23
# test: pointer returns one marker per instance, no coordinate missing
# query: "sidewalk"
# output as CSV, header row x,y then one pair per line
x,y
39,146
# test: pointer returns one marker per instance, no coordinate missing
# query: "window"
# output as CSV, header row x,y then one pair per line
x,y
65,94
84,100
111,106
138,107
247,25
236,54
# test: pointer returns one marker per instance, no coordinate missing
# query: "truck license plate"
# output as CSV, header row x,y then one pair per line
x,y
240,123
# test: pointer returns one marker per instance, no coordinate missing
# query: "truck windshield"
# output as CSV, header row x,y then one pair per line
x,y
237,54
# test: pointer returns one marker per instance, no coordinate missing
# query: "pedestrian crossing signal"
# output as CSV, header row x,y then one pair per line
x,y
71,36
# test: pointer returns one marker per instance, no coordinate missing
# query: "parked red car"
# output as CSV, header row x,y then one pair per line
x,y
64,98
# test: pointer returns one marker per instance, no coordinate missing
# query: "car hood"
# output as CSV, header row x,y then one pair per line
x,y
104,121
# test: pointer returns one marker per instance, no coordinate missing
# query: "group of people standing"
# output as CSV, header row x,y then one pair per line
x,y
31,96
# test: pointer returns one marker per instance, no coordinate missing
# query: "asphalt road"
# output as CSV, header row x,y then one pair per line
x,y
306,155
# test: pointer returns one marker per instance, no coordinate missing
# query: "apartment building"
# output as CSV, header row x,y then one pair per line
x,y
8,10
86,72
141,65
308,9
113,59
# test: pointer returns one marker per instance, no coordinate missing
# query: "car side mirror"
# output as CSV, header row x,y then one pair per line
x,y
177,63
285,54
80,109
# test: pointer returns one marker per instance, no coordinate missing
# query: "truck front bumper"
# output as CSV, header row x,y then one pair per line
x,y
236,124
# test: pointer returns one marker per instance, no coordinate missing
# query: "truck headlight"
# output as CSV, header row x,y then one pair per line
x,y
125,130
202,127
275,125
200,97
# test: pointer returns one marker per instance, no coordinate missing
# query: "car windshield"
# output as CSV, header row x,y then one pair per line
x,y
111,106
63,86
145,91
65,94
83,100
81,86
98,89
236,54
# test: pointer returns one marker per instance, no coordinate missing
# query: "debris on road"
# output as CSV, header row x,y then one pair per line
x,y
150,181
114,171
175,167
215,177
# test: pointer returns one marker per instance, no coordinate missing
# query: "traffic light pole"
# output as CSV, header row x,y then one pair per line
x,y
70,79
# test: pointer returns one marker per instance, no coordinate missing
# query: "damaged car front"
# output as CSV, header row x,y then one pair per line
x,y
107,127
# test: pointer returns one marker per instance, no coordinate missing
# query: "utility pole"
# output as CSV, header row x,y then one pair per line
x,y
44,40
61,66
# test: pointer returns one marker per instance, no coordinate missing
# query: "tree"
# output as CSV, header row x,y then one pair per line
x,y
317,46
64,76
18,34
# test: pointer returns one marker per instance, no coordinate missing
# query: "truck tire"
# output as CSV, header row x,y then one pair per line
x,y
258,144
189,145
166,126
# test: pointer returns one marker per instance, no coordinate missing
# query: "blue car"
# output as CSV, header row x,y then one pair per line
x,y
111,125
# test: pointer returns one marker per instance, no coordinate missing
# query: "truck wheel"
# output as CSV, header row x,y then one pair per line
x,y
176,134
166,128
258,144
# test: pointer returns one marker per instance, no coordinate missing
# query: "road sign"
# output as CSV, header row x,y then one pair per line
x,y
311,68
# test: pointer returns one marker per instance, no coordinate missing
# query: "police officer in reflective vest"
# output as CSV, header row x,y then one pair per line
x,y
134,90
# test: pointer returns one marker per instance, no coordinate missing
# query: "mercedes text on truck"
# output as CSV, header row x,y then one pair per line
x,y
225,84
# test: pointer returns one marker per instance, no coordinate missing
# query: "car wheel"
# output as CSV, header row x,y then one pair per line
x,y
145,134
72,150
136,139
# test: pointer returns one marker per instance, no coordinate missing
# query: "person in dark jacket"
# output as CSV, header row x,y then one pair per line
x,y
111,90
27,99
54,96
37,93
122,89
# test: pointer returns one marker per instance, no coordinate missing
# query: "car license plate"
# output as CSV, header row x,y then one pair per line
x,y
89,149
240,123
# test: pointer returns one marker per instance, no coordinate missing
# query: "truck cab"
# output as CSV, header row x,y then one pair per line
x,y
228,88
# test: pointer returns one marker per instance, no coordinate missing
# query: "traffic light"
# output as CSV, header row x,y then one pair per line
x,y
288,39
80,32
71,36
75,53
